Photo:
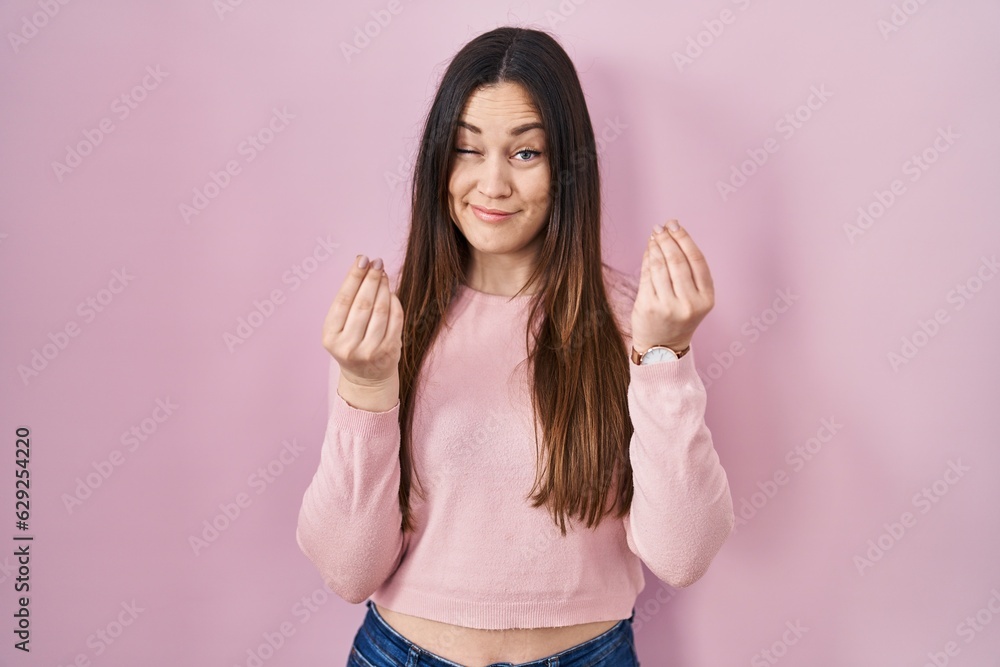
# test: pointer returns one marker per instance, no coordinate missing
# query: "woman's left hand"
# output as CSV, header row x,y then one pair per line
x,y
675,292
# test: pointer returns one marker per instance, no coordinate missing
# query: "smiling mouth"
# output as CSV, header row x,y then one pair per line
x,y
491,214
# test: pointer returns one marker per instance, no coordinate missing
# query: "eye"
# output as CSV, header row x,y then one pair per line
x,y
464,150
529,151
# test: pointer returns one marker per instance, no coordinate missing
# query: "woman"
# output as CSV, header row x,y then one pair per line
x,y
496,382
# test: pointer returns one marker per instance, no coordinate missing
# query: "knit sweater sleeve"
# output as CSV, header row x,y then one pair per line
x,y
349,523
682,509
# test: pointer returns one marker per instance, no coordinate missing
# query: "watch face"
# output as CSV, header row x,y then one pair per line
x,y
653,355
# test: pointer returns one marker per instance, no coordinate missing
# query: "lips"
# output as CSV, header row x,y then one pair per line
x,y
491,214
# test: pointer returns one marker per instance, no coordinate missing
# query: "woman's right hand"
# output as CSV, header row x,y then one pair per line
x,y
363,329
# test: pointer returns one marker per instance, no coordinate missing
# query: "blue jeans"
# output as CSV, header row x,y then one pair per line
x,y
377,644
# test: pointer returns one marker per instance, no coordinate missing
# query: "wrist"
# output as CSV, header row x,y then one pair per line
x,y
375,397
676,346
655,354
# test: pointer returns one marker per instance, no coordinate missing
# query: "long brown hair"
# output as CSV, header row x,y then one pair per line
x,y
580,372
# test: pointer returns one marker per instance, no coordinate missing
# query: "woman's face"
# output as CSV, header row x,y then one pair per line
x,y
500,162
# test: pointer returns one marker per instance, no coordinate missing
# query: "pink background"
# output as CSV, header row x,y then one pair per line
x,y
334,175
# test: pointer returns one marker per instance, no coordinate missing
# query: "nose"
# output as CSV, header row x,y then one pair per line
x,y
494,178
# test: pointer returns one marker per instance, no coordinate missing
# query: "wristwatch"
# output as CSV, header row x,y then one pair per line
x,y
656,354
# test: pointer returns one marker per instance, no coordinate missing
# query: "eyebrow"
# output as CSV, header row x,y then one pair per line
x,y
520,129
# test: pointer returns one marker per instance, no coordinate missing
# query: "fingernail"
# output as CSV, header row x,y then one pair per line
x,y
657,229
377,264
673,225
362,261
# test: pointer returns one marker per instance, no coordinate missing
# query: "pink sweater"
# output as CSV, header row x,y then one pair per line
x,y
483,558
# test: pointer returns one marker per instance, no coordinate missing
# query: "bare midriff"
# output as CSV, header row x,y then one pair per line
x,y
473,647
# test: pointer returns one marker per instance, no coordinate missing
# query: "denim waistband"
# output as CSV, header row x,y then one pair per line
x,y
377,635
